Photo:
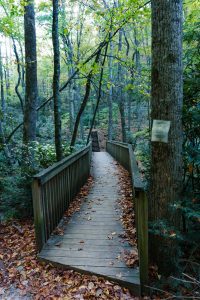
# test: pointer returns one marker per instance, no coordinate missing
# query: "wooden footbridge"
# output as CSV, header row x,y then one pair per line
x,y
91,241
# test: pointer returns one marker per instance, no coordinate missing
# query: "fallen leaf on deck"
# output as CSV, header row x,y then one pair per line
x,y
90,285
99,292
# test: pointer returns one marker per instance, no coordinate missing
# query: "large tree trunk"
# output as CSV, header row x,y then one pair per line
x,y
56,81
31,92
166,104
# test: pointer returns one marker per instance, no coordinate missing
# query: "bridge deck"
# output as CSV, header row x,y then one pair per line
x,y
91,242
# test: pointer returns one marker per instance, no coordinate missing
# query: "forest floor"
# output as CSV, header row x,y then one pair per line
x,y
22,276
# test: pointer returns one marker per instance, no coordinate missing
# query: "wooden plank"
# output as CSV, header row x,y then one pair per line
x,y
59,252
93,217
99,213
46,213
100,243
116,272
87,235
91,222
89,262
93,231
126,279
109,270
90,248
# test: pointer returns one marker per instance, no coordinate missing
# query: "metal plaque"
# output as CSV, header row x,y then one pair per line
x,y
160,131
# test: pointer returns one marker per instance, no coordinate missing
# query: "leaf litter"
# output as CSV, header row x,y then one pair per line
x,y
127,217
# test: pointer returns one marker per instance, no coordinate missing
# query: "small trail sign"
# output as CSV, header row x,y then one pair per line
x,y
160,131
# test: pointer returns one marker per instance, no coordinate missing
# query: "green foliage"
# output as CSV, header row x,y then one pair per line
x,y
140,142
45,155
15,189
191,111
15,183
10,21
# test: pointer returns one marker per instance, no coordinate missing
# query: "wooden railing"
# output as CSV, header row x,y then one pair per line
x,y
124,154
54,188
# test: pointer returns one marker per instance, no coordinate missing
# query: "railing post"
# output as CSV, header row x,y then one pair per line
x,y
141,209
38,213
90,155
141,219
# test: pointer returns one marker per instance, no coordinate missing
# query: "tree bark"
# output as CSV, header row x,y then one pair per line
x,y
120,96
166,104
7,70
98,96
110,99
31,92
19,75
56,81
22,66
3,101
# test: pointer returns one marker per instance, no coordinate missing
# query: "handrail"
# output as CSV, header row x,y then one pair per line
x,y
53,170
54,188
120,143
124,154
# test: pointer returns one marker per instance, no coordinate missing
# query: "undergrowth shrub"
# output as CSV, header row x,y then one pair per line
x,y
16,178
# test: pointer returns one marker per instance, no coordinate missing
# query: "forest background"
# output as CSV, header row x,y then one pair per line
x,y
105,83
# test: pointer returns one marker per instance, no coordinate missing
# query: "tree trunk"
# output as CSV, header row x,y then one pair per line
x,y
3,101
19,75
22,66
85,99
7,70
98,95
110,99
71,108
128,79
31,92
120,95
137,54
166,104
56,81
